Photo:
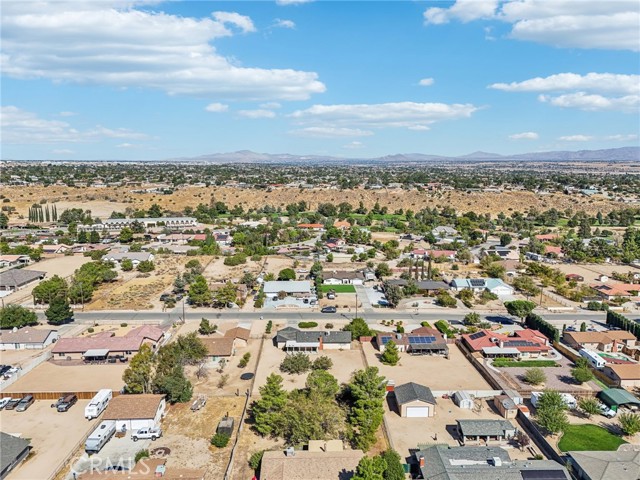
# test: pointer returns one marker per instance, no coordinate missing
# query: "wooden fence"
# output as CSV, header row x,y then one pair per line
x,y
57,395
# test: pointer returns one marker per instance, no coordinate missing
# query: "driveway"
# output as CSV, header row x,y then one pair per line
x,y
363,296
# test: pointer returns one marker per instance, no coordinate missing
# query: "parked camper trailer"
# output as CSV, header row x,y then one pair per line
x,y
569,400
100,436
593,358
98,404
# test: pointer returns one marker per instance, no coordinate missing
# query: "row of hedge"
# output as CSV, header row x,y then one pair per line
x,y
616,320
537,322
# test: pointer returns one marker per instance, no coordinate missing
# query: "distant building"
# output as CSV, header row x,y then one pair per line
x,y
17,278
117,224
607,341
27,338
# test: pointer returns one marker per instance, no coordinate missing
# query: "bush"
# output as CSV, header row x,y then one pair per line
x,y
90,330
220,440
296,363
244,361
255,460
236,259
582,374
446,300
358,328
322,363
140,455
269,326
535,376
630,423
445,329
146,266
308,324
124,325
328,326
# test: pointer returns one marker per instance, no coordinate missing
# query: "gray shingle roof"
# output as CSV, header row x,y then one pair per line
x,y
621,465
304,336
410,392
484,428
432,285
12,448
19,276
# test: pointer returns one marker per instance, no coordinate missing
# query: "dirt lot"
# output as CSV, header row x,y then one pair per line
x,y
435,372
407,433
48,377
53,435
188,435
344,364
591,271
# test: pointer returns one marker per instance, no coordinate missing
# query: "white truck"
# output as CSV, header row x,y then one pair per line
x,y
146,433
98,404
100,436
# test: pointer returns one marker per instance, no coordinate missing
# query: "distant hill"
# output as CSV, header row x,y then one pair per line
x,y
247,156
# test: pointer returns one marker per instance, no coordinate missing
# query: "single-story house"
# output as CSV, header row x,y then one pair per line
x,y
326,464
317,227
618,397
343,278
16,278
27,338
147,469
415,400
603,465
440,462
505,253
527,343
574,277
607,341
623,290
55,249
132,412
485,430
14,450
444,231
218,347
421,341
135,257
116,224
239,335
553,250
506,406
431,286
626,375
300,288
294,340
13,260
95,346
463,400
477,285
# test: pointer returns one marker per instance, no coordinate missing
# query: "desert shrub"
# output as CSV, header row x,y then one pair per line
x,y
141,454
322,363
220,440
308,324
296,363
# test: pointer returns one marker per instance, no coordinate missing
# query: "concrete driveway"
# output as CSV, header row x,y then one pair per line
x,y
116,452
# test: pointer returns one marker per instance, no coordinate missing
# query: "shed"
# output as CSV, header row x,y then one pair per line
x,y
463,400
225,426
506,406
415,400
617,397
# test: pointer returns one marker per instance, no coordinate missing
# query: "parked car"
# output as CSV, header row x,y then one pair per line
x,y
4,401
66,402
145,433
4,369
25,403
12,404
328,310
606,411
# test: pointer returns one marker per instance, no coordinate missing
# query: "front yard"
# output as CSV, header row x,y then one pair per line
x,y
589,437
338,288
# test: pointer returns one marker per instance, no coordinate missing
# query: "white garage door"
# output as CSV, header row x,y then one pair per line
x,y
417,411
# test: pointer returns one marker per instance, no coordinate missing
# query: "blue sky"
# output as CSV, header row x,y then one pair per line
x,y
118,79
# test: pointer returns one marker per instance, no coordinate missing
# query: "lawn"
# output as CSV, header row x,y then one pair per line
x,y
338,288
506,362
589,437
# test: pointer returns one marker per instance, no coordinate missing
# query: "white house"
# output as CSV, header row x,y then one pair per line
x,y
132,412
27,338
343,278
135,257
494,285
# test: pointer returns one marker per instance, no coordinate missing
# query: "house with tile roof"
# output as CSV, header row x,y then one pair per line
x,y
606,341
421,341
625,375
527,343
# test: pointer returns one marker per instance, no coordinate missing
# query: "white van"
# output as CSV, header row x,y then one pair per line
x,y
98,404
100,436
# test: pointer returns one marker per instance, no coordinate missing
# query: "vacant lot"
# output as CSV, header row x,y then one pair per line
x,y
437,373
345,362
53,435
591,271
48,377
187,434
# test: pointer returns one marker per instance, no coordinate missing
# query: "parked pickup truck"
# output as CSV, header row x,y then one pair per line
x,y
145,433
606,411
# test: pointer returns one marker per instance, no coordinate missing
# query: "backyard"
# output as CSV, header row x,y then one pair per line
x,y
589,437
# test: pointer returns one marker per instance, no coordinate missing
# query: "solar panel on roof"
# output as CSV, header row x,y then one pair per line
x,y
385,340
543,475
477,335
476,282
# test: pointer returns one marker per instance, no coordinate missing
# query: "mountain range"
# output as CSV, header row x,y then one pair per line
x,y
247,156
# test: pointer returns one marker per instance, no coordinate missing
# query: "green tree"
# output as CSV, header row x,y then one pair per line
x,y
47,290
199,292
393,465
226,295
16,316
94,237
267,410
256,460
505,239
220,440
383,270
589,405
138,375
370,469
126,235
329,257
206,328
582,374
367,391
179,284
4,220
321,383
630,423
443,299
519,308
526,285
495,270
322,363
146,266
535,376
126,265
391,355
358,328
59,311
551,413
472,318
82,237
287,274
175,385
296,363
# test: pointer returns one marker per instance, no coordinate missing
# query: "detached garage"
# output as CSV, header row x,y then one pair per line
x,y
415,401
132,412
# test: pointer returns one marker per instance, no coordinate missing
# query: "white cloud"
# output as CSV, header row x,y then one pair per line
x,y
331,132
426,82
270,105
243,22
258,113
622,138
127,145
595,82
117,45
21,127
292,2
401,114
419,128
67,114
562,23
281,23
593,102
576,138
524,136
62,151
353,145
592,92
217,107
